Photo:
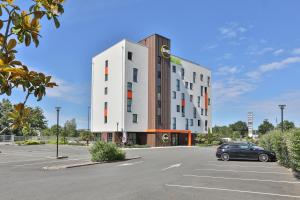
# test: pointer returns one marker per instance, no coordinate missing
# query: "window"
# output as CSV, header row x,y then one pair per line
x,y
135,75
199,122
105,90
174,95
134,118
191,98
191,122
159,60
109,137
106,77
132,138
174,68
129,86
178,108
174,123
205,112
206,125
195,112
106,71
182,111
159,74
129,96
201,92
194,77
186,85
187,124
129,105
191,86
201,77
208,101
202,111
129,55
182,96
208,81
178,84
199,100
106,63
105,112
182,73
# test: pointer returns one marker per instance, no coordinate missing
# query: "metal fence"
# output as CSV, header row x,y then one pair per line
x,y
46,139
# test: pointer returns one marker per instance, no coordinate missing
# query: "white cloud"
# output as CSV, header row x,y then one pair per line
x,y
261,51
232,30
278,52
296,51
226,70
67,91
272,66
231,89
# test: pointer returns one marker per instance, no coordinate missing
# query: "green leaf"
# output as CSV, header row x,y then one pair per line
x,y
57,24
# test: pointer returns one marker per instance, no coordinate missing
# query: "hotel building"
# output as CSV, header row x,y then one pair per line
x,y
141,94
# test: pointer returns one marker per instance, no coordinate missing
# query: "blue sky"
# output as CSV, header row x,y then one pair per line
x,y
251,46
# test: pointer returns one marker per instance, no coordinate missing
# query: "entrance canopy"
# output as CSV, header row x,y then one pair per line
x,y
189,132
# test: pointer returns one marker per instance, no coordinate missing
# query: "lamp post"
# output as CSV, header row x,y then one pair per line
x,y
89,111
57,130
282,107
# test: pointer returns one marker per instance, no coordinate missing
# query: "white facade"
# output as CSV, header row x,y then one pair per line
x,y
192,94
120,72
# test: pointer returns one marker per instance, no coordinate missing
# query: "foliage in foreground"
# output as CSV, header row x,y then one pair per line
x,y
102,151
286,146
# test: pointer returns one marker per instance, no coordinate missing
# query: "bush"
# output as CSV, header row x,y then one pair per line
x,y
293,145
286,146
102,151
215,143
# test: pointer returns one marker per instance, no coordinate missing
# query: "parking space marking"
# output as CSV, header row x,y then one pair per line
x,y
129,164
274,167
241,179
238,171
231,190
172,166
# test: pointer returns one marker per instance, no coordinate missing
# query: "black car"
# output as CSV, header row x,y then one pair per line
x,y
244,151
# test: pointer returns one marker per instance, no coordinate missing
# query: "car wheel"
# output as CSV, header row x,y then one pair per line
x,y
225,156
263,157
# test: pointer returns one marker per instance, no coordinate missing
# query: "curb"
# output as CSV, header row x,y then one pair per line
x,y
84,164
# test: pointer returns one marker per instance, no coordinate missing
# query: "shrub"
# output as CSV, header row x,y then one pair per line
x,y
102,151
293,144
32,142
214,143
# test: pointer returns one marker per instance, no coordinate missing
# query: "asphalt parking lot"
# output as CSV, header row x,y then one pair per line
x,y
160,173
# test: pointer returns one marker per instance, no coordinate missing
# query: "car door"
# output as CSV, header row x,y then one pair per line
x,y
247,152
234,151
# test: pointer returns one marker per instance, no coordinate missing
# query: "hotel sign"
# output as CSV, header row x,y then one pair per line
x,y
165,51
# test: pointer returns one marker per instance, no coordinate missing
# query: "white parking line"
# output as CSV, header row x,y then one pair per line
x,y
241,179
230,190
274,167
128,164
237,171
172,166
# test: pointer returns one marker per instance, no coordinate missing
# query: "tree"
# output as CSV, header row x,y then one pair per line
x,y
70,128
86,136
5,108
222,131
19,27
240,127
265,127
53,130
287,125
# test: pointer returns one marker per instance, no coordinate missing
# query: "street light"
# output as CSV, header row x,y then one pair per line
x,y
57,111
282,107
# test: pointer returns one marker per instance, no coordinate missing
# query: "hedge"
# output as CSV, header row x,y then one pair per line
x,y
102,151
286,146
